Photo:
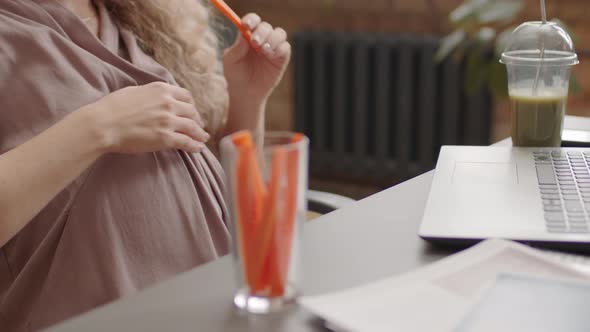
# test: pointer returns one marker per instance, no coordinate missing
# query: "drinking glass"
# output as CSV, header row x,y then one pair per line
x,y
266,194
539,58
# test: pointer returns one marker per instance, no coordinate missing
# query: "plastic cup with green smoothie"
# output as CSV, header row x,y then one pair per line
x,y
539,58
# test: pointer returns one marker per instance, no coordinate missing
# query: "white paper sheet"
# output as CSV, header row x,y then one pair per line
x,y
531,305
437,297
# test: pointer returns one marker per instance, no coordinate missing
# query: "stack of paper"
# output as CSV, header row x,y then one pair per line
x,y
451,294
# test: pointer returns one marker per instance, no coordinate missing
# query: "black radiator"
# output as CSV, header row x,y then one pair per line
x,y
379,107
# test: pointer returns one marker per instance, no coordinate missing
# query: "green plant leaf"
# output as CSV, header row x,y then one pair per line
x,y
476,72
486,34
450,44
500,11
468,10
498,78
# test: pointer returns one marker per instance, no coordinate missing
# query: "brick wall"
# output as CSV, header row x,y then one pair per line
x,y
415,16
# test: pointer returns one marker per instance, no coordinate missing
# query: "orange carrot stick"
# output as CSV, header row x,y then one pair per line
x,y
286,228
233,17
242,138
250,193
272,210
246,213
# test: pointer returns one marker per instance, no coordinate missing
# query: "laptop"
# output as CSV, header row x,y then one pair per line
x,y
539,196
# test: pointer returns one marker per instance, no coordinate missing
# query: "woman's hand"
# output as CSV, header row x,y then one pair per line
x,y
148,118
141,119
254,69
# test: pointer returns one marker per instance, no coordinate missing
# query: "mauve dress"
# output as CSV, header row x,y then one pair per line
x,y
126,223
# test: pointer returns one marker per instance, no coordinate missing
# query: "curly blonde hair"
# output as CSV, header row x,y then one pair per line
x,y
179,36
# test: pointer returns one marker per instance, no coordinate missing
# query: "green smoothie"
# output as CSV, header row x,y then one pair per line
x,y
537,121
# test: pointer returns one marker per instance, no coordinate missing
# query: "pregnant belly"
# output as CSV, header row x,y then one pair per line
x,y
157,209
132,222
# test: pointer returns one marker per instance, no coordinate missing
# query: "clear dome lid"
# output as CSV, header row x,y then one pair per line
x,y
526,43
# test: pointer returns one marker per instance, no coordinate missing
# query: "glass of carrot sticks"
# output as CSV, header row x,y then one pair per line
x,y
266,196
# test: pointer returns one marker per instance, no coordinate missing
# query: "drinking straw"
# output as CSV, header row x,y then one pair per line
x,y
538,74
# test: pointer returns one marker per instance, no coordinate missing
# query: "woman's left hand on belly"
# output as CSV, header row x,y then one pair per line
x,y
253,69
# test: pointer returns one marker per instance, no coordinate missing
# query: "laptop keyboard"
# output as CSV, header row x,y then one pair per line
x,y
564,181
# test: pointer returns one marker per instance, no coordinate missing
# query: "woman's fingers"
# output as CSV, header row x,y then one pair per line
x,y
187,110
175,92
261,34
183,142
276,38
251,21
191,129
181,94
282,52
268,40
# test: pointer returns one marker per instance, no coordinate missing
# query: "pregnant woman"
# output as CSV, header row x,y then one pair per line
x,y
107,109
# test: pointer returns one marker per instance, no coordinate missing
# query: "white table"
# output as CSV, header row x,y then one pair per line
x,y
372,239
